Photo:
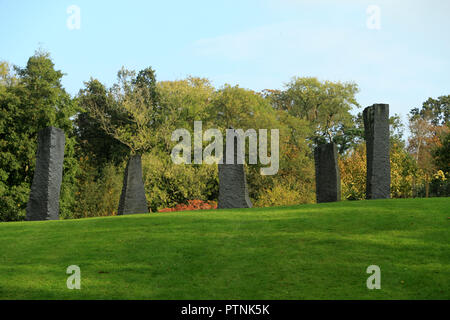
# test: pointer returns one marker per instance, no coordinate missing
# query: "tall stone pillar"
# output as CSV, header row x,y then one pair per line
x,y
43,203
376,128
328,179
132,199
233,191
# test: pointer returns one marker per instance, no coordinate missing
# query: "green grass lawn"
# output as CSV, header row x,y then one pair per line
x,y
318,251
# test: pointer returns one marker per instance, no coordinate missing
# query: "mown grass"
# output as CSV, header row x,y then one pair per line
x,y
316,251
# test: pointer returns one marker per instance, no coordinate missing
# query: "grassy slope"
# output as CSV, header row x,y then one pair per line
x,y
302,252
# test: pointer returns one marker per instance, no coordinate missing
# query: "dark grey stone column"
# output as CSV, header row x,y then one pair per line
x,y
328,178
233,192
376,127
43,203
132,199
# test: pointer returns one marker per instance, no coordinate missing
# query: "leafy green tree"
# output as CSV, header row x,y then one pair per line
x,y
182,102
351,134
442,154
240,108
428,126
33,101
325,105
126,112
4,70
94,142
437,111
7,78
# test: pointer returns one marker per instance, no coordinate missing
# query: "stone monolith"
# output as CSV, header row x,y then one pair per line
x,y
43,203
233,192
132,199
328,179
376,127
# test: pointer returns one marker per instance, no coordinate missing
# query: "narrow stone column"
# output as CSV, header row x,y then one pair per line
x,y
132,199
43,203
376,127
328,179
233,191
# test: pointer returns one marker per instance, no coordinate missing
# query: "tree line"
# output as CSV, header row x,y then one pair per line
x,y
105,125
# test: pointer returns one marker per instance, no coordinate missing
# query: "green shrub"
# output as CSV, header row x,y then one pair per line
x,y
284,193
168,184
98,193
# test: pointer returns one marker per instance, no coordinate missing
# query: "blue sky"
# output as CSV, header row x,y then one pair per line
x,y
256,44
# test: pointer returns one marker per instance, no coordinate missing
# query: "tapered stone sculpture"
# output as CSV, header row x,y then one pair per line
x,y
328,179
132,199
233,192
376,127
43,203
